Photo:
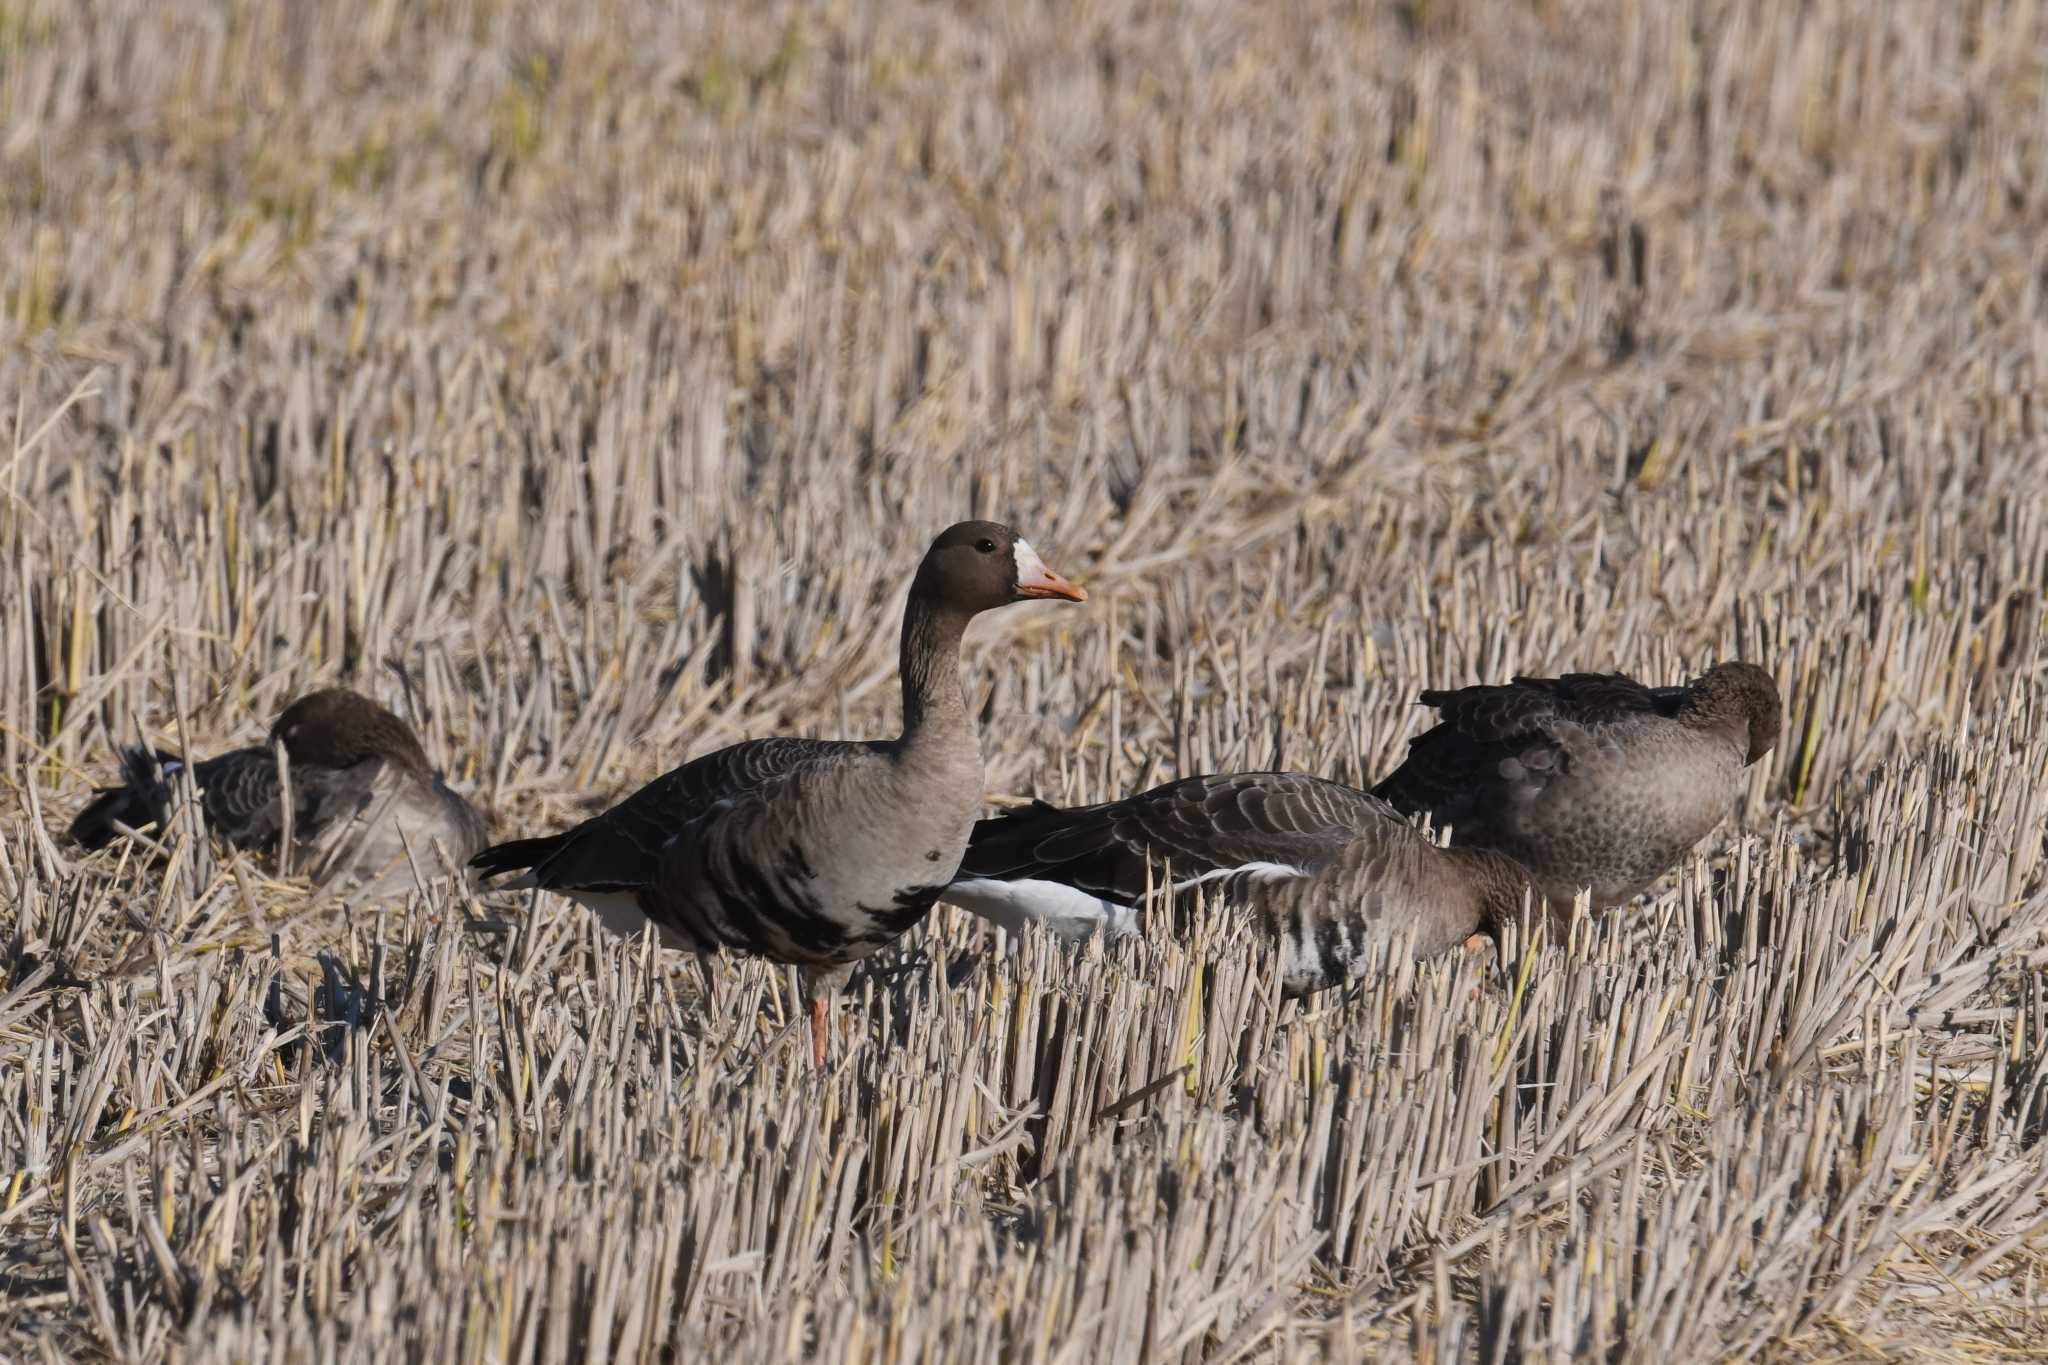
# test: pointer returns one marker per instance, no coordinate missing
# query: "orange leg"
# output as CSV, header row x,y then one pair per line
x,y
818,1016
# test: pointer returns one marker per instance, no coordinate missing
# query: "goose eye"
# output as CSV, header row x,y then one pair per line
x,y
985,545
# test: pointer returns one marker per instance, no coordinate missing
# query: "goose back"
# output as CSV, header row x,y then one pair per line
x,y
1591,781
804,851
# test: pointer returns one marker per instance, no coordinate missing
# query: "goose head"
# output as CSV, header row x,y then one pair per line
x,y
975,566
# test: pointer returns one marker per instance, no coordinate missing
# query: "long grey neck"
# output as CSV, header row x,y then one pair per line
x,y
934,708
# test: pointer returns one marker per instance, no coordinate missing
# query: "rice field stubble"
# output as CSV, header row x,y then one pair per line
x,y
609,365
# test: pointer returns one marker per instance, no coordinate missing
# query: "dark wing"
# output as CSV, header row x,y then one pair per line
x,y
1489,736
1209,826
621,849
1603,698
238,792
140,799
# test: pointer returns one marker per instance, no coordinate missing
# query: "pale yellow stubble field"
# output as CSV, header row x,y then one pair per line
x,y
610,365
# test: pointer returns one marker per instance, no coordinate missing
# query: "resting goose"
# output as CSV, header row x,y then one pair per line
x,y
363,794
1589,780
1329,868
806,851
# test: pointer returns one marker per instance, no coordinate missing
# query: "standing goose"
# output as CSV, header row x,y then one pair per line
x,y
806,851
363,795
1592,781
1330,869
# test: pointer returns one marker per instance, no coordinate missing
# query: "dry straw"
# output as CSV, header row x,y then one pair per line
x,y
609,365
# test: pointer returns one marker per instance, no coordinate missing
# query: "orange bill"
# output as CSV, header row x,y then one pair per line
x,y
1034,579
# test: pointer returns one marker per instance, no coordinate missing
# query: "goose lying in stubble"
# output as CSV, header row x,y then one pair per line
x,y
366,804
1329,869
1591,781
805,851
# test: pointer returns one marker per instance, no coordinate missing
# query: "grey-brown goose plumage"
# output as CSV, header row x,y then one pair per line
x,y
1329,927
813,852
1329,868
367,806
1591,781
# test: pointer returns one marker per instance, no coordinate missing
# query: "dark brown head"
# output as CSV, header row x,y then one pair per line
x,y
1741,690
977,565
337,728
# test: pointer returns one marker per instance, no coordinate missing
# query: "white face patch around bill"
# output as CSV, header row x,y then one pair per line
x,y
1029,565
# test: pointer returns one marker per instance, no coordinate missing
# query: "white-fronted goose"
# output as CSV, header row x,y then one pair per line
x,y
1590,780
363,794
1327,866
813,852
1388,879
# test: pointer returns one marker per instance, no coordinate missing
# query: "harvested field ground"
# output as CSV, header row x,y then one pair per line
x,y
610,366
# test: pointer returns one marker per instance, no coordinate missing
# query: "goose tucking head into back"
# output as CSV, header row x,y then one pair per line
x,y
1592,780
366,804
804,851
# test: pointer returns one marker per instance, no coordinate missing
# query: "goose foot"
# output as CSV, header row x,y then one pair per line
x,y
1472,948
820,985
818,1031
